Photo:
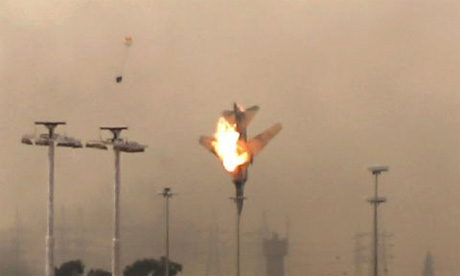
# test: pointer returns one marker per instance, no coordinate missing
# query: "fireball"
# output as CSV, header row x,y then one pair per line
x,y
230,150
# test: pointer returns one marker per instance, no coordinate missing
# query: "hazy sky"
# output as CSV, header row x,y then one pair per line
x,y
354,83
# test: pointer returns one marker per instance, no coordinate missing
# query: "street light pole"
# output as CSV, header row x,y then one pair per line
x,y
167,237
166,193
239,200
376,200
49,140
50,209
376,233
116,203
49,269
119,145
116,217
238,250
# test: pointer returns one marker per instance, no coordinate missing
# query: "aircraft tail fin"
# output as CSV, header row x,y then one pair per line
x,y
247,114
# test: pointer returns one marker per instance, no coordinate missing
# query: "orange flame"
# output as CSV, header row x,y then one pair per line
x,y
230,150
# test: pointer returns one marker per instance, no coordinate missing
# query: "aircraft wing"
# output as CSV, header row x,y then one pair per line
x,y
207,143
256,144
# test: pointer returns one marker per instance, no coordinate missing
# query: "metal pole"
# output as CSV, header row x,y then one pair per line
x,y
49,239
116,218
239,200
376,200
49,269
376,226
167,236
118,145
238,221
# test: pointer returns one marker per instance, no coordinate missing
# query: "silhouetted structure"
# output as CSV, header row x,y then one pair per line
x,y
213,259
275,249
360,258
70,236
13,251
428,270
385,255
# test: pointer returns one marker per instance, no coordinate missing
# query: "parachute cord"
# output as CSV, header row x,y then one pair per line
x,y
125,59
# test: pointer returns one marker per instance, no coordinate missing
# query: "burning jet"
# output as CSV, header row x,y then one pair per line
x,y
231,146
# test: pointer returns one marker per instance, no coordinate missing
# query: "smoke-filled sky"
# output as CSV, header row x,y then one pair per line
x,y
354,83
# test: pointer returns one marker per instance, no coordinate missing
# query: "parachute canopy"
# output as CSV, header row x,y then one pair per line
x,y
128,40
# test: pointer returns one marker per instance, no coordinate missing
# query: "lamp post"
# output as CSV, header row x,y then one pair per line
x,y
118,145
239,179
49,139
166,193
376,200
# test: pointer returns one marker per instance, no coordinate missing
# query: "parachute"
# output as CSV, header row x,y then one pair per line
x,y
127,41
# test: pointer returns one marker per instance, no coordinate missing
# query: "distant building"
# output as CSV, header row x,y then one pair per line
x,y
13,261
428,270
275,249
213,259
70,243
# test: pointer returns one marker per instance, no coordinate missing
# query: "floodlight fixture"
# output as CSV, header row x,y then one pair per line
x,y
378,169
27,139
116,131
50,123
377,200
69,142
96,145
129,146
